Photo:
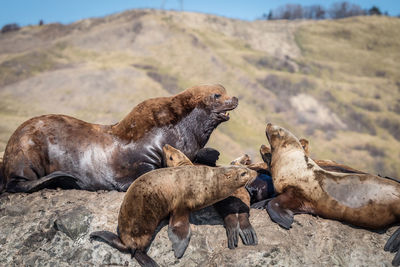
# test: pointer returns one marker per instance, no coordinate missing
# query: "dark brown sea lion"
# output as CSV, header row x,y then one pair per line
x,y
360,199
234,210
174,191
61,151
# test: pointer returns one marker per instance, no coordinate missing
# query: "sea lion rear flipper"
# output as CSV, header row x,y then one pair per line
x,y
231,224
235,212
396,260
111,239
52,180
179,232
143,259
283,217
393,245
246,230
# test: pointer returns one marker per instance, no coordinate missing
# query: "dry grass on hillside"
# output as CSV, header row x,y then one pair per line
x,y
335,82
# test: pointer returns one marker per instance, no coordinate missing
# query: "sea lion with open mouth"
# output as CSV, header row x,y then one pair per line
x,y
60,151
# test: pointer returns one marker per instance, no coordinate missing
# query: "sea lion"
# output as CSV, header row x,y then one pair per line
x,y
61,151
362,199
234,210
174,191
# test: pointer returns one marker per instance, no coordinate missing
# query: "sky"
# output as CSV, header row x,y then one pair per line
x,y
26,12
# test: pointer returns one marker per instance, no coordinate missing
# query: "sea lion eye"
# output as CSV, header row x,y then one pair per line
x,y
216,96
243,174
170,158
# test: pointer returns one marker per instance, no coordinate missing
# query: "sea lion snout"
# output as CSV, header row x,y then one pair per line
x,y
235,101
270,129
231,103
252,176
222,107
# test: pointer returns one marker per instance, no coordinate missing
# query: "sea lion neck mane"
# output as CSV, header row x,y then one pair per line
x,y
182,109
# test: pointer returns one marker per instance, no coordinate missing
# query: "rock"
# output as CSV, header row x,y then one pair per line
x,y
74,223
54,228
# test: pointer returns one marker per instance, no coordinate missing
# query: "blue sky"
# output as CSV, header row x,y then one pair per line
x,y
26,12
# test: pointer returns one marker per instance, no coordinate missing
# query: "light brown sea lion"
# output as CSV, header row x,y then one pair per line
x,y
234,210
174,191
61,151
360,199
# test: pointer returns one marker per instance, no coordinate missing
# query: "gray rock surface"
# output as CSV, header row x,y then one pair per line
x,y
51,228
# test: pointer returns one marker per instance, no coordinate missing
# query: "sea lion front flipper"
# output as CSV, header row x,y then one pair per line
x,y
393,245
246,230
179,232
52,180
207,156
283,217
231,224
266,154
111,239
143,259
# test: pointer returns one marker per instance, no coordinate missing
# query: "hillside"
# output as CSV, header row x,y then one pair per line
x,y
334,82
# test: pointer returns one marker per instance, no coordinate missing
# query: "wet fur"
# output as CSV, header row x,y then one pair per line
x,y
111,157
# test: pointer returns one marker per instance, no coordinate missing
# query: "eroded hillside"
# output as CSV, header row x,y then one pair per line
x,y
334,82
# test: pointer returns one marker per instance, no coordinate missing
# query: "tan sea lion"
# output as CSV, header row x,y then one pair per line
x,y
61,151
234,210
174,191
360,199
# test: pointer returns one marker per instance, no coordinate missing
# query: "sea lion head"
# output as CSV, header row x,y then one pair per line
x,y
236,176
215,100
174,157
243,160
279,137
